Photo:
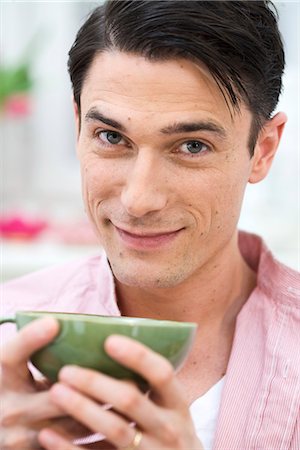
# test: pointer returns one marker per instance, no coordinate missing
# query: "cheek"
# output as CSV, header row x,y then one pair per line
x,y
99,180
217,198
228,200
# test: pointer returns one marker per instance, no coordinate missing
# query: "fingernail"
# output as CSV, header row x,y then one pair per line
x,y
116,345
47,437
68,372
46,326
59,392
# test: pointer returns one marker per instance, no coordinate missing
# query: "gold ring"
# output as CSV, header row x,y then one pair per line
x,y
135,442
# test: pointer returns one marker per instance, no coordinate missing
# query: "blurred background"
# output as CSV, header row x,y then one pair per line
x,y
42,221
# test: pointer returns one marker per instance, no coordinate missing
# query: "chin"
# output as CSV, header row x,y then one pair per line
x,y
147,278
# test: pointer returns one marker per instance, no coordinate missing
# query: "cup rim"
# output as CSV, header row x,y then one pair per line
x,y
127,320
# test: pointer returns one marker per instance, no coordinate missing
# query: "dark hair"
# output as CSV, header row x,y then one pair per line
x,y
238,41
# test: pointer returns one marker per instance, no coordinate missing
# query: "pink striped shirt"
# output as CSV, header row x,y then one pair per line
x,y
260,404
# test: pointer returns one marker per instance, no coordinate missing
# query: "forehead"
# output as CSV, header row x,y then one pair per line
x,y
130,84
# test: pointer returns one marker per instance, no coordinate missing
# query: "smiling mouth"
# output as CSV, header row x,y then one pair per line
x,y
147,240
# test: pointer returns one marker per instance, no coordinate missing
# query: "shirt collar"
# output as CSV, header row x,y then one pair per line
x,y
274,278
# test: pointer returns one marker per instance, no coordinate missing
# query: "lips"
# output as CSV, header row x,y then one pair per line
x,y
147,240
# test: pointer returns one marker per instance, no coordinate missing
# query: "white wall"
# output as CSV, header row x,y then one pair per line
x,y
271,208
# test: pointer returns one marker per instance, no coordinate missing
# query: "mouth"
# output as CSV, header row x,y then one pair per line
x,y
147,240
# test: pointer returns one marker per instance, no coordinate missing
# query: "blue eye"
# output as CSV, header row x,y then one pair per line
x,y
110,137
194,147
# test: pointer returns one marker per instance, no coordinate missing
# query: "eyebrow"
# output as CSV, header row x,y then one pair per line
x,y
94,115
188,127
178,127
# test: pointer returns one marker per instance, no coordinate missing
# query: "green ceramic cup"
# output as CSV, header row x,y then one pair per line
x,y
81,338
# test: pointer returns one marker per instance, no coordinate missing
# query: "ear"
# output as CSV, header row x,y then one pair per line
x,y
266,147
77,119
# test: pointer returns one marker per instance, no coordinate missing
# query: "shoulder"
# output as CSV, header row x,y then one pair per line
x,y
278,281
47,287
83,286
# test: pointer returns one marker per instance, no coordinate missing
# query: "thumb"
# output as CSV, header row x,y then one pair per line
x,y
31,338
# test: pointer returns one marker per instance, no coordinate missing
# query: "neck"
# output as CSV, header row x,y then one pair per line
x,y
213,296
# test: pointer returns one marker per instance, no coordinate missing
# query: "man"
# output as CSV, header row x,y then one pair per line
x,y
173,104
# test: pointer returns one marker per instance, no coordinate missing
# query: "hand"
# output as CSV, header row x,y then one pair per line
x,y
163,416
25,409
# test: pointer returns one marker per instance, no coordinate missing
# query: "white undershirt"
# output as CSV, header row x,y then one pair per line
x,y
204,411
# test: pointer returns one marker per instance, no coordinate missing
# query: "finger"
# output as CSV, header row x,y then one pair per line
x,y
28,408
124,397
49,439
152,366
29,339
114,428
42,408
18,438
53,441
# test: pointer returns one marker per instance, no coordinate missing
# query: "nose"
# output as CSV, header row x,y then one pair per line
x,y
145,189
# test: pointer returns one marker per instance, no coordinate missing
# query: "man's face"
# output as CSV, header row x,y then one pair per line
x,y
164,167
